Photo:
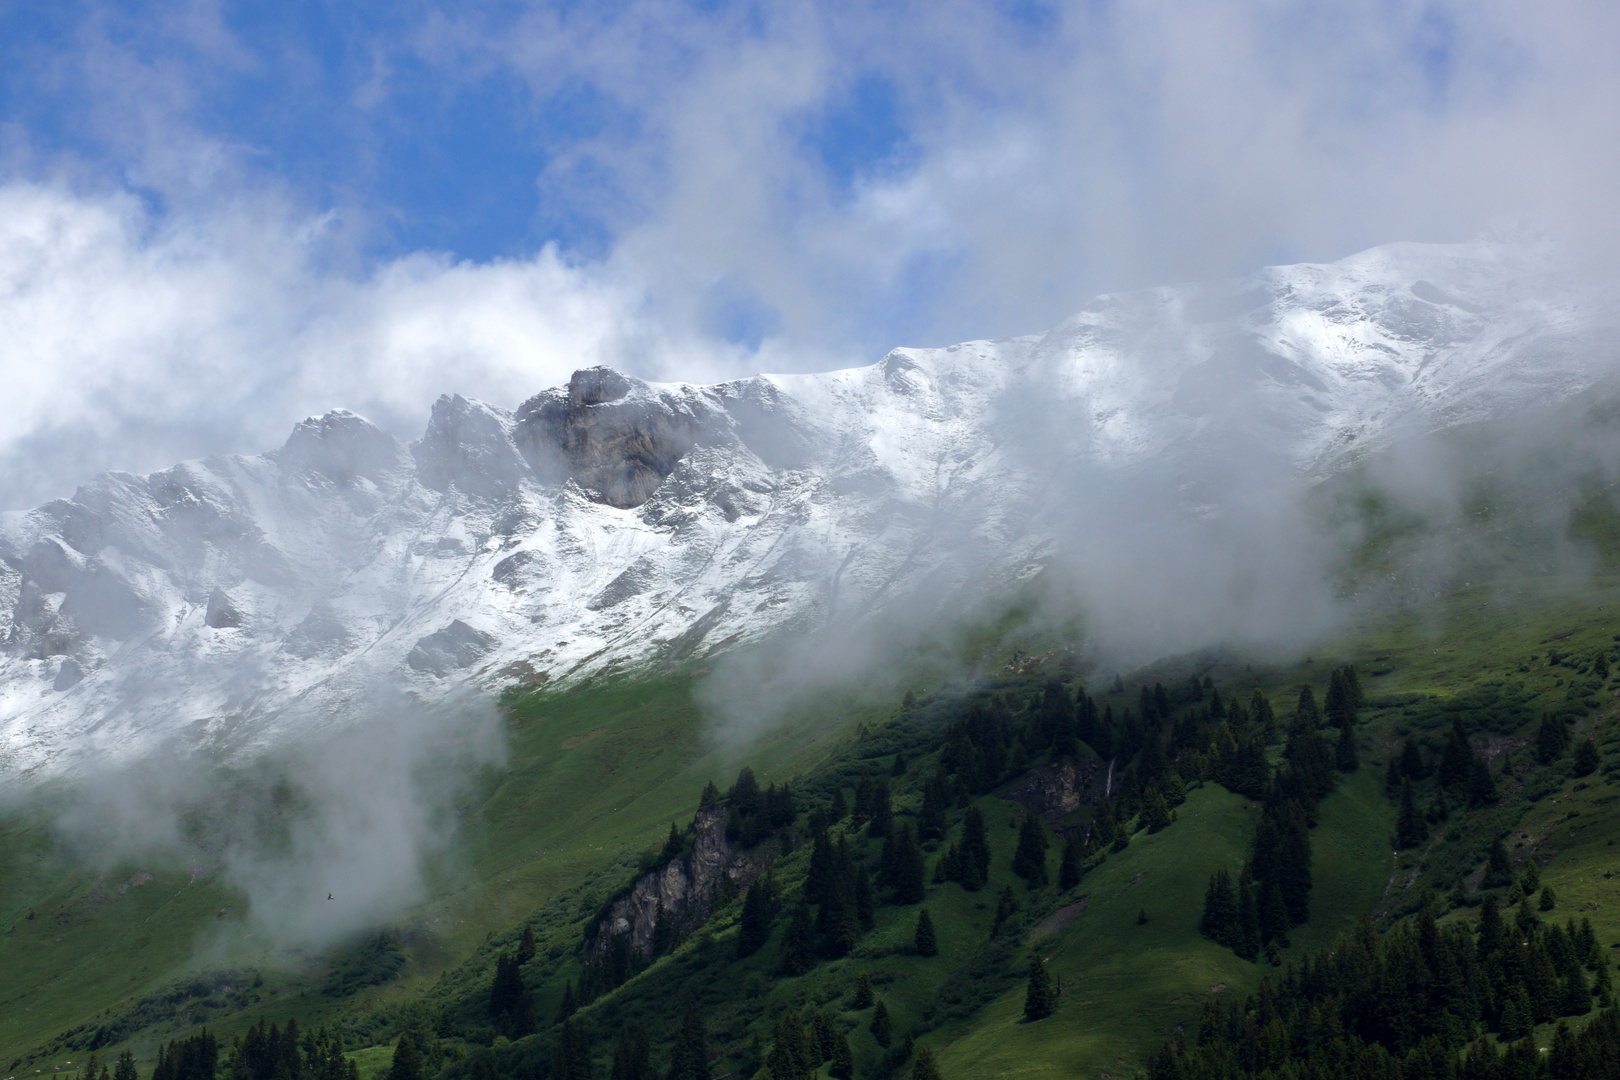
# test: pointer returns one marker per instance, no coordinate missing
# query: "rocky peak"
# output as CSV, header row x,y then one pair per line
x,y
340,446
617,445
468,445
596,386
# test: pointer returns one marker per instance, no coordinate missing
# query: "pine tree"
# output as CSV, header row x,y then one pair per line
x,y
407,1061
931,824
1345,758
569,1003
798,944
1551,738
1069,868
1038,997
843,1059
1248,943
1498,870
689,1060
1102,823
1587,758
909,869
1481,784
974,863
754,925
923,941
1409,829
710,796
881,810
571,1058
632,1055
788,1049
125,1070
1006,906
881,1027
1155,814
864,994
1029,860
1220,919
1549,899
925,1067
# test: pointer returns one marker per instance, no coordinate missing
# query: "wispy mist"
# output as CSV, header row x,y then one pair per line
x,y
364,815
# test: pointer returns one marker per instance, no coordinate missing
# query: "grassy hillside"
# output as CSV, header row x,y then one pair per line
x,y
595,776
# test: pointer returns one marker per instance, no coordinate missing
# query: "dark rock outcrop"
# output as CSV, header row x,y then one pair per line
x,y
456,646
221,612
1054,791
614,435
686,887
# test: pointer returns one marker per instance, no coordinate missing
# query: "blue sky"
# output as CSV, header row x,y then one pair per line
x,y
277,207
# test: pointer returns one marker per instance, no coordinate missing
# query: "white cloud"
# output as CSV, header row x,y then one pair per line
x,y
1116,146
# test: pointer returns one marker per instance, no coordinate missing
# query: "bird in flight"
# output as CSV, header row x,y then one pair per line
x,y
329,896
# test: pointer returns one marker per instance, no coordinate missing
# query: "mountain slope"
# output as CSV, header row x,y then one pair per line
x,y
614,524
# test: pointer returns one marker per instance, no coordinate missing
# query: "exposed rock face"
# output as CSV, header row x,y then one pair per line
x,y
686,887
616,436
221,612
456,646
468,445
1059,789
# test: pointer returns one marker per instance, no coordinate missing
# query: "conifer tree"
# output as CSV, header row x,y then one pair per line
x,y
1219,922
754,925
924,1067
1102,822
899,766
1038,997
973,869
881,811
1457,760
407,1060
632,1054
864,994
1248,927
569,1003
571,1058
1155,813
1481,784
798,944
672,845
1411,761
1006,906
881,1027
843,1059
1069,868
924,941
1261,713
1549,899
1409,830
837,811
1586,758
823,1036
125,1069
1345,758
788,1049
931,823
1551,738
710,796
689,1060
1498,870
1029,860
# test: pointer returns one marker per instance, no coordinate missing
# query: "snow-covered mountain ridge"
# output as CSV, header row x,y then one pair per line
x,y
613,524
